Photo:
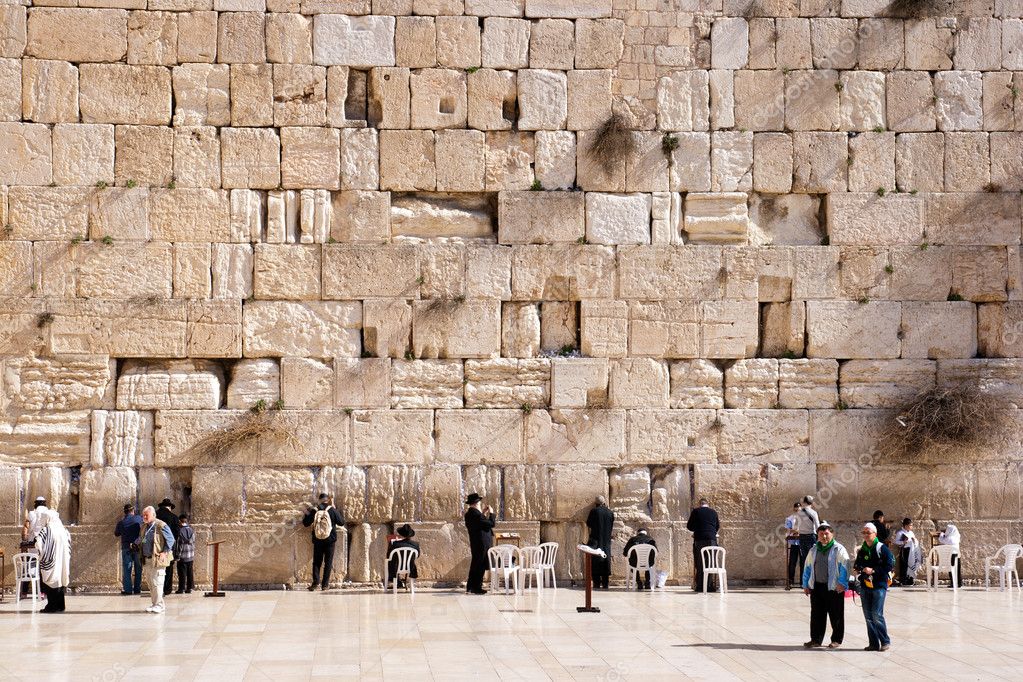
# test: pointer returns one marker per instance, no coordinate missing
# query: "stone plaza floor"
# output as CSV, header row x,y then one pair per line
x,y
446,635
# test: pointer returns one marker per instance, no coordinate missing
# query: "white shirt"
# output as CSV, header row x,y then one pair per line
x,y
36,520
904,538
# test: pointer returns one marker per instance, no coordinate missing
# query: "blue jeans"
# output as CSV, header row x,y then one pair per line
x,y
873,612
131,560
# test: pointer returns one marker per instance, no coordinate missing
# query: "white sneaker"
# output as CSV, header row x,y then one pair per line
x,y
155,609
150,609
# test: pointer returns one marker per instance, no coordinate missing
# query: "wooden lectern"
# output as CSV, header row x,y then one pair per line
x,y
216,568
590,552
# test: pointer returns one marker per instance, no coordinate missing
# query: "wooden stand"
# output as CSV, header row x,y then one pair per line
x,y
216,568
589,608
3,574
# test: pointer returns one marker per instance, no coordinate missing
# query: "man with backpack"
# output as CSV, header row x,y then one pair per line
x,y
874,564
324,519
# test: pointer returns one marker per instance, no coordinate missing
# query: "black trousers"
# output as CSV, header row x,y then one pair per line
x,y
54,598
477,567
712,584
601,571
168,579
959,571
323,555
793,564
904,577
826,605
186,581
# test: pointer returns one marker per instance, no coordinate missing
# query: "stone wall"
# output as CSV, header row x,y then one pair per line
x,y
383,223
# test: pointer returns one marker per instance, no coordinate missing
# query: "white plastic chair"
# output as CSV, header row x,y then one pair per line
x,y
1006,569
26,570
645,557
529,567
502,565
548,555
940,561
714,564
405,555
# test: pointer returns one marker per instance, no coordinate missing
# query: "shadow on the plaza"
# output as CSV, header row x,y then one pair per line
x,y
741,646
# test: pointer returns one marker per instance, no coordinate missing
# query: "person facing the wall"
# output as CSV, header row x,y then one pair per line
x,y
404,539
184,555
910,556
128,529
792,546
479,524
324,519
641,537
807,527
825,580
165,512
704,524
54,545
600,522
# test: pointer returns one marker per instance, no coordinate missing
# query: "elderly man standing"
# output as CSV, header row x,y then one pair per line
x,y
874,564
825,580
157,544
600,521
54,545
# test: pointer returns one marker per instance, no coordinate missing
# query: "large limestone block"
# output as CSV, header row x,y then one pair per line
x,y
58,383
122,213
309,329
289,38
729,329
118,93
505,382
387,327
197,36
579,382
456,329
485,480
599,43
192,277
133,329
604,328
492,96
967,162
729,43
847,435
352,272
393,437
721,218
442,488
48,213
121,438
360,216
250,158
289,271
910,101
171,384
671,436
276,495
559,325
562,272
1006,166
362,383
253,381
510,156
183,438
77,35
144,154
262,555
958,97
552,44
772,162
696,384
528,492
25,154
585,436
850,330
123,271
589,98
96,559
231,266
14,34
348,487
998,329
540,217
445,557
543,99
683,101
461,162
764,436
812,100
630,494
669,272
570,9
458,42
575,489
752,384
921,274
407,160
958,218
300,95
83,154
731,161
11,511
49,91
870,219
759,100
214,329
520,330
820,162
428,216
310,158
240,38
978,274
190,215
638,382
617,218
307,384
736,491
39,439
977,43
939,330
884,383
50,482
505,43
251,94
103,492
439,98
806,383
873,162
359,42
494,436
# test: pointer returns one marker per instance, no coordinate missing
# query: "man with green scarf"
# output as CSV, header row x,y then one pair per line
x,y
874,563
825,580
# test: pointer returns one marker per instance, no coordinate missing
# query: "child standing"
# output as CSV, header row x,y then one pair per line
x,y
184,553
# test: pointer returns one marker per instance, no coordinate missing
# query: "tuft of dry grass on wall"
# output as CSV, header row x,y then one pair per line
x,y
946,421
919,9
613,143
252,426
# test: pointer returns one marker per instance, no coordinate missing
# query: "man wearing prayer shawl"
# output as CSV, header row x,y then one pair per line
x,y
54,545
950,536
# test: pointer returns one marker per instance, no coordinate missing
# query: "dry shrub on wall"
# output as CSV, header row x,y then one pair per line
x,y
613,143
919,9
255,425
947,423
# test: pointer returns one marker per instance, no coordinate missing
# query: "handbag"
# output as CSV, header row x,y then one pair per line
x,y
163,559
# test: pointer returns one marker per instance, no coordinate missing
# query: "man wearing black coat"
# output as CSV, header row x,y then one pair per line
x,y
480,525
641,538
704,525
323,550
600,521
405,535
166,514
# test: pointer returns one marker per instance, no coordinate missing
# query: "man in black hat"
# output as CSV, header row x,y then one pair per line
x,y
600,521
405,535
479,522
166,514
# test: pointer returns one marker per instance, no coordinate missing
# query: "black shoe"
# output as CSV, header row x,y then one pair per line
x,y
811,645
125,594
478,592
188,591
871,648
179,592
312,588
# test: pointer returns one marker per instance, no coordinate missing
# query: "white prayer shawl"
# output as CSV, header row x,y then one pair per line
x,y
54,545
950,536
36,520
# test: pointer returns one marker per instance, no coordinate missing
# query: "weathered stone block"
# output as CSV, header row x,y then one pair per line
x,y
492,97
439,98
604,328
309,329
671,436
254,382
77,35
393,437
617,218
540,217
683,101
878,383
507,383
360,42
458,42
118,93
939,330
639,382
407,161
764,435
870,219
752,384
562,273
307,384
347,270
310,157
480,437
177,384
25,154
585,436
848,330
443,329
552,44
505,43
543,99
39,439
387,327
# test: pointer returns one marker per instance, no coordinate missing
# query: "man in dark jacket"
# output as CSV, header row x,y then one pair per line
x,y
479,522
641,538
704,525
323,548
405,535
874,564
165,512
881,526
600,521
128,529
